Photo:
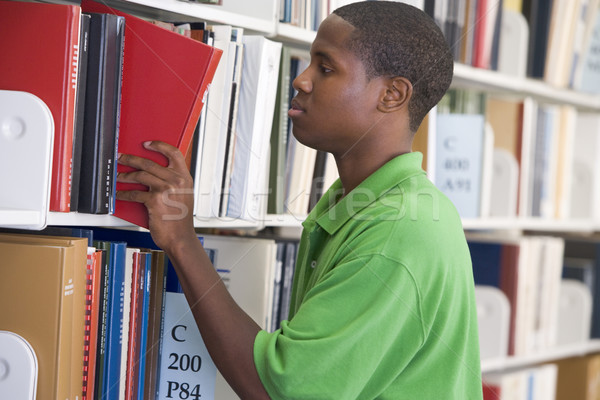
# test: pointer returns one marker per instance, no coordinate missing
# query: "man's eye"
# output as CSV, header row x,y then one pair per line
x,y
325,70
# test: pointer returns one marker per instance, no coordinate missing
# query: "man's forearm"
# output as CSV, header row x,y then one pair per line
x,y
226,329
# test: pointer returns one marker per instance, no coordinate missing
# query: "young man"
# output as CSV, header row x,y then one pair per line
x,y
383,297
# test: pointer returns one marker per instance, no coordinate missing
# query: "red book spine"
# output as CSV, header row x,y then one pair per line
x,y
133,351
94,322
88,321
62,163
186,138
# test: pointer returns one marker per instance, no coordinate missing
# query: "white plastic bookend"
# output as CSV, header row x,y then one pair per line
x,y
18,367
26,146
574,312
505,184
493,317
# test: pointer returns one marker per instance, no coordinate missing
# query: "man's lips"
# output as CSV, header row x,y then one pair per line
x,y
295,109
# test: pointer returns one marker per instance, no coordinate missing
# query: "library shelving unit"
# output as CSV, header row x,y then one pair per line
x,y
260,17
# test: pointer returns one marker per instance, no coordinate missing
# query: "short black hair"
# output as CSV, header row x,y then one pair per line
x,y
397,39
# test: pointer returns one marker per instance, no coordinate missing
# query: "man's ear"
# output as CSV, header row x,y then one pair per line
x,y
397,94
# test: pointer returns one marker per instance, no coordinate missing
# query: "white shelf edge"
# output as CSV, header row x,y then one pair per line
x,y
82,219
14,217
284,220
574,350
287,32
204,12
470,77
533,224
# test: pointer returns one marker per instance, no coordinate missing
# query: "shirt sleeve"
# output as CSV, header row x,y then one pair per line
x,y
354,333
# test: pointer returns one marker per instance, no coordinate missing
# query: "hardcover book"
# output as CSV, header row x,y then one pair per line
x,y
165,79
46,68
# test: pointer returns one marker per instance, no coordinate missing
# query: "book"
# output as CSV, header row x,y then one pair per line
x,y
48,69
538,16
212,158
131,257
247,199
237,35
97,267
102,105
279,136
459,160
83,52
109,386
146,262
164,73
47,270
133,350
578,378
158,279
77,287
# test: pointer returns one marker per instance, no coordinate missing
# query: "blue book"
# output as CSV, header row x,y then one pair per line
x,y
486,257
114,319
459,147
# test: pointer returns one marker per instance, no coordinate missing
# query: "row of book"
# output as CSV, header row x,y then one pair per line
x,y
528,271
552,40
109,79
105,314
545,292
502,157
567,379
114,306
130,73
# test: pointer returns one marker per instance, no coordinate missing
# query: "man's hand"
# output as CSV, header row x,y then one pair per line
x,y
170,195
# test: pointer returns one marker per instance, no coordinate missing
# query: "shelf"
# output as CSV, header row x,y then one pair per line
x,y
255,17
491,81
290,33
574,350
530,224
109,221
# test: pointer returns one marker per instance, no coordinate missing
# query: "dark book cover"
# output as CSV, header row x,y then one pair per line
x,y
80,109
101,122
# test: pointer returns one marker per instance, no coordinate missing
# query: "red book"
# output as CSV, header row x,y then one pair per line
x,y
38,43
89,275
165,79
96,282
133,351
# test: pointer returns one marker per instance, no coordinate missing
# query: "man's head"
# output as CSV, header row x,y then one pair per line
x,y
396,39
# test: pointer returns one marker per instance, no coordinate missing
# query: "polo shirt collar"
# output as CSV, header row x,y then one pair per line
x,y
331,212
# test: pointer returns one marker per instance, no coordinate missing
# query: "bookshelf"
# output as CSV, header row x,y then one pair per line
x,y
261,18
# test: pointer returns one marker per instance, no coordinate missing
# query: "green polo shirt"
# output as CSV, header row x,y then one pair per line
x,y
383,299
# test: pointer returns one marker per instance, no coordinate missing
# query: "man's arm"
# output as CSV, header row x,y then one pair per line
x,y
226,329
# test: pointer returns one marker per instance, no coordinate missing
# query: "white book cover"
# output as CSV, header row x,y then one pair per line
x,y
528,129
459,160
587,77
186,369
212,157
255,118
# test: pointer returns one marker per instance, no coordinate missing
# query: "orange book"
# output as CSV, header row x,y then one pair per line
x,y
77,289
48,69
96,282
165,80
38,305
